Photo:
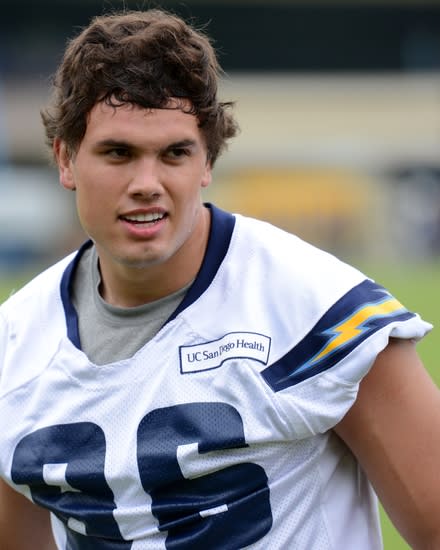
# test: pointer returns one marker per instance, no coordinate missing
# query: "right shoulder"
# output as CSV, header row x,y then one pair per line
x,y
32,321
43,287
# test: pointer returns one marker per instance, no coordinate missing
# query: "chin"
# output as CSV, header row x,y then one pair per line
x,y
143,262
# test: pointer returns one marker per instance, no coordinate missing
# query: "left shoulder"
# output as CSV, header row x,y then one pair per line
x,y
289,266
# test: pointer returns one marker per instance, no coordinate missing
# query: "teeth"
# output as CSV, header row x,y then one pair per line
x,y
144,217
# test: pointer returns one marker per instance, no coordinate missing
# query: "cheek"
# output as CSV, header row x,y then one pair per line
x,y
94,187
92,205
84,210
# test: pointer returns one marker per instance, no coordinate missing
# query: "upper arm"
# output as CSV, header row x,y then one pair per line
x,y
393,429
23,525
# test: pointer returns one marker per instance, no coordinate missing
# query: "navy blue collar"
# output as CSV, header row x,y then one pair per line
x,y
222,226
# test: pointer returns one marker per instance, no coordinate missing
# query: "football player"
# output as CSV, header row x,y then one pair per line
x,y
155,390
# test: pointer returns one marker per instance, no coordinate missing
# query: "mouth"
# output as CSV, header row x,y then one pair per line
x,y
143,218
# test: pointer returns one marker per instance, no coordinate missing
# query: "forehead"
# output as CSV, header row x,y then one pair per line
x,y
132,123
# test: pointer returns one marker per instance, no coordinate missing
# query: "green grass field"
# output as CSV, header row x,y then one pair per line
x,y
418,287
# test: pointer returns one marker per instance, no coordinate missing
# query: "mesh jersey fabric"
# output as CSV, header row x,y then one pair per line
x,y
218,432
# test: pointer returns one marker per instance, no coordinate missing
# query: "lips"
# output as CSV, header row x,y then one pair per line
x,y
143,217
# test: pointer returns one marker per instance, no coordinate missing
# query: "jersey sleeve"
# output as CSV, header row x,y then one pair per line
x,y
317,381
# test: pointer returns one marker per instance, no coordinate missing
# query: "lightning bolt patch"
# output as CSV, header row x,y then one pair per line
x,y
357,324
357,315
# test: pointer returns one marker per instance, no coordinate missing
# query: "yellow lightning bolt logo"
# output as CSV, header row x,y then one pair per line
x,y
353,326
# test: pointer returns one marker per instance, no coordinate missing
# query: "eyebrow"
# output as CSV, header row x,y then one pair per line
x,y
121,143
181,144
113,143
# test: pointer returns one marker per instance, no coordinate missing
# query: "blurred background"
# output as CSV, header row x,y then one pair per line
x,y
339,108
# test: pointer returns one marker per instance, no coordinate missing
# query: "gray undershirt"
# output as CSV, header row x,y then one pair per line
x,y
109,333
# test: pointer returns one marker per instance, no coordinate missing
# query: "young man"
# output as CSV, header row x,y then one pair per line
x,y
190,378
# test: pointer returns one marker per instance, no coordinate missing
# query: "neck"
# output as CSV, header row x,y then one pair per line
x,y
127,286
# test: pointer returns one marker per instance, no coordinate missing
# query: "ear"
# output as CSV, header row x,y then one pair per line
x,y
64,163
207,176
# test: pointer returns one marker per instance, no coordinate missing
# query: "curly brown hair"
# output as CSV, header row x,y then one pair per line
x,y
143,58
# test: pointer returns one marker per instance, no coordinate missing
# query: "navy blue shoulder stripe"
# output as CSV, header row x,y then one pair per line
x,y
66,292
361,312
222,227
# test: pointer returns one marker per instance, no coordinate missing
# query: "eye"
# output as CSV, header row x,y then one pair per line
x,y
118,153
177,153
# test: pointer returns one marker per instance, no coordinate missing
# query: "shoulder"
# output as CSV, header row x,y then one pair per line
x,y
31,323
327,321
40,290
284,265
283,246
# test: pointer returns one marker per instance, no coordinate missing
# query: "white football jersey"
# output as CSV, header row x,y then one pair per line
x,y
217,433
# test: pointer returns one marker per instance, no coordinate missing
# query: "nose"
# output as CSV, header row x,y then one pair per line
x,y
145,180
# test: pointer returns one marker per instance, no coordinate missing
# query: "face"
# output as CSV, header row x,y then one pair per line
x,y
138,176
